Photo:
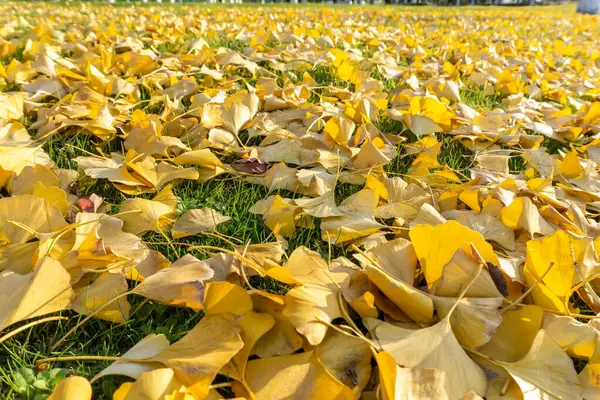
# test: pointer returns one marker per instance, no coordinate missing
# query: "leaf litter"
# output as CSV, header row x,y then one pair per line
x,y
461,277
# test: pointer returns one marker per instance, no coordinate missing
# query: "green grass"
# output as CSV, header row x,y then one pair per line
x,y
228,196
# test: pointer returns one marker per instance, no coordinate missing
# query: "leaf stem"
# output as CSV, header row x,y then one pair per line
x,y
29,325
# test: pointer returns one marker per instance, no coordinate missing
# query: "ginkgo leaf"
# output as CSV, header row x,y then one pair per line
x,y
278,214
148,347
72,388
297,375
104,288
141,215
558,250
253,326
421,125
346,358
348,227
574,337
161,383
202,158
317,299
202,352
320,207
474,320
33,212
106,168
546,371
411,383
435,246
196,221
396,257
54,195
433,347
490,228
182,283
522,213
416,304
30,295
235,115
590,374
516,333
459,273
282,338
359,296
226,298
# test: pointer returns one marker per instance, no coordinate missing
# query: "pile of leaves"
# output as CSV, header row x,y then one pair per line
x,y
463,281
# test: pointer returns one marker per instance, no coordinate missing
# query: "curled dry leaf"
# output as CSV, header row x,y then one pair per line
x,y
250,166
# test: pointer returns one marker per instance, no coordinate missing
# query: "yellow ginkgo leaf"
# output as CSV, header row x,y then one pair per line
x,y
182,283
253,326
590,375
460,272
226,298
278,214
141,215
570,167
474,320
421,125
523,214
574,337
435,246
90,296
196,221
54,195
416,304
432,347
396,257
516,333
545,372
347,227
202,158
411,383
346,358
317,299
490,228
31,295
33,212
282,338
339,130
202,352
72,388
148,347
556,255
161,383
297,375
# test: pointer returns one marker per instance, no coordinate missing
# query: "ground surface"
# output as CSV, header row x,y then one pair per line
x,y
493,73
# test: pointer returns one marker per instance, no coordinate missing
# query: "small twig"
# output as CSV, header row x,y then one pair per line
x,y
139,307
482,263
343,332
520,298
29,325
220,385
102,307
230,252
485,357
82,358
243,272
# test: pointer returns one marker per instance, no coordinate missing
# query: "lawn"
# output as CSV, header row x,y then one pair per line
x,y
404,117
